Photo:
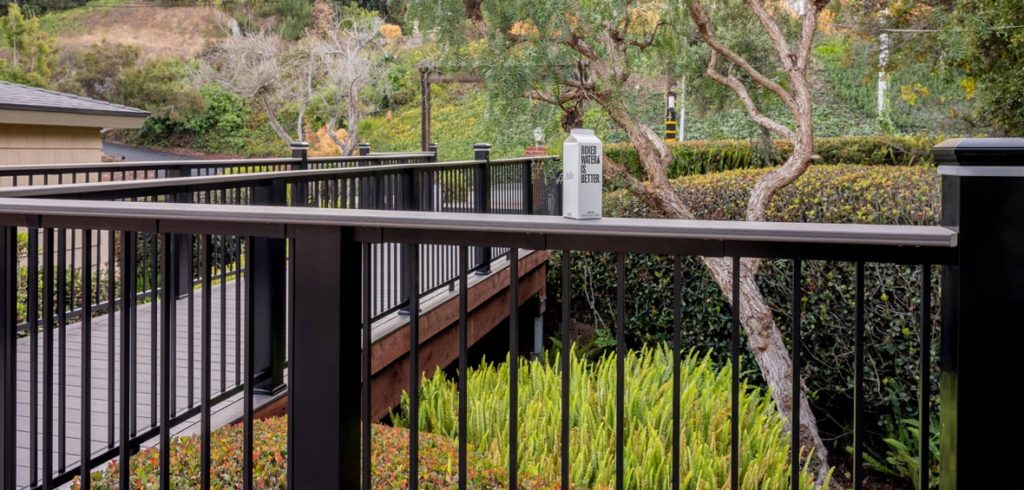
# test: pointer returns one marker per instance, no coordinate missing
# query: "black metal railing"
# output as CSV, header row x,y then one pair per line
x,y
502,186
326,304
78,173
331,250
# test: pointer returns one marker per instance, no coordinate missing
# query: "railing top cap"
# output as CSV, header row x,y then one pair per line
x,y
607,228
989,152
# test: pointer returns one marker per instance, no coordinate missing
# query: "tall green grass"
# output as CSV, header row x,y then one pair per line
x,y
705,414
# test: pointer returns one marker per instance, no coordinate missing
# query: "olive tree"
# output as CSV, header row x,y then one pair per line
x,y
576,54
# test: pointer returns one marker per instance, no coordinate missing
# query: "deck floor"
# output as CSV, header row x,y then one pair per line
x,y
103,345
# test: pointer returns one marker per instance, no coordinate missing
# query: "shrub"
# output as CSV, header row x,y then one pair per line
x,y
705,427
840,193
701,157
438,461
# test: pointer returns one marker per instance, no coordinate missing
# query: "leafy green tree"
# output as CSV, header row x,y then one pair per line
x,y
574,54
985,38
98,70
26,52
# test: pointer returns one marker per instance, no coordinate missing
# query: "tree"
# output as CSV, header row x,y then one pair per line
x,y
349,52
276,74
98,70
571,54
986,40
27,54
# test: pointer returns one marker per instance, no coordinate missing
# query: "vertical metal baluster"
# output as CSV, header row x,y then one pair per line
x,y
153,332
795,416
32,295
414,367
247,422
924,381
128,257
620,368
191,305
62,365
734,361
166,337
858,382
564,358
463,367
48,296
85,436
367,359
205,387
677,319
513,368
132,303
222,247
111,324
238,308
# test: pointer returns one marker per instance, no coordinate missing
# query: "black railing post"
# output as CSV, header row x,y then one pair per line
x,y
182,242
300,150
429,186
482,198
982,197
324,380
265,268
8,349
409,199
527,184
366,186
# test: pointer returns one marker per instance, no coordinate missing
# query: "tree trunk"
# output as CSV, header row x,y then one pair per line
x,y
274,123
764,340
766,344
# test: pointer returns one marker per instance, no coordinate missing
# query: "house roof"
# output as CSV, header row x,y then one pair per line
x,y
23,98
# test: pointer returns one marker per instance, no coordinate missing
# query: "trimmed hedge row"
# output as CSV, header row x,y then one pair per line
x,y
840,193
702,157
438,461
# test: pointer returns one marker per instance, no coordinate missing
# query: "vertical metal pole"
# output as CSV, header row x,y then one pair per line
x,y
424,108
128,262
183,243
528,187
8,353
364,149
324,370
982,192
482,198
266,269
408,200
300,194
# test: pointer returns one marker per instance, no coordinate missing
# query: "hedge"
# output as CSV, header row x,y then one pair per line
x,y
840,193
438,461
705,392
702,157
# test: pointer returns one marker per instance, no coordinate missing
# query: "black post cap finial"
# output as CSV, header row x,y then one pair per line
x,y
978,152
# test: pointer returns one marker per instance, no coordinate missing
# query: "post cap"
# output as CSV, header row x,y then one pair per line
x,y
482,146
299,145
980,152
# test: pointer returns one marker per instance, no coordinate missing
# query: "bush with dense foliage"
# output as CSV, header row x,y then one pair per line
x,y
702,157
837,193
705,427
438,461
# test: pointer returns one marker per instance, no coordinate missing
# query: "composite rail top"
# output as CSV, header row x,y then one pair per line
x,y
539,232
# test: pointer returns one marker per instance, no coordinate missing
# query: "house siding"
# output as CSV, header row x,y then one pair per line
x,y
34,144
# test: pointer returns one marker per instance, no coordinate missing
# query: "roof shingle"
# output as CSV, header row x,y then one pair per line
x,y
24,98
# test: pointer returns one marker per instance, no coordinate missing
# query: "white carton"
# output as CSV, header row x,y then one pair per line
x,y
582,155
